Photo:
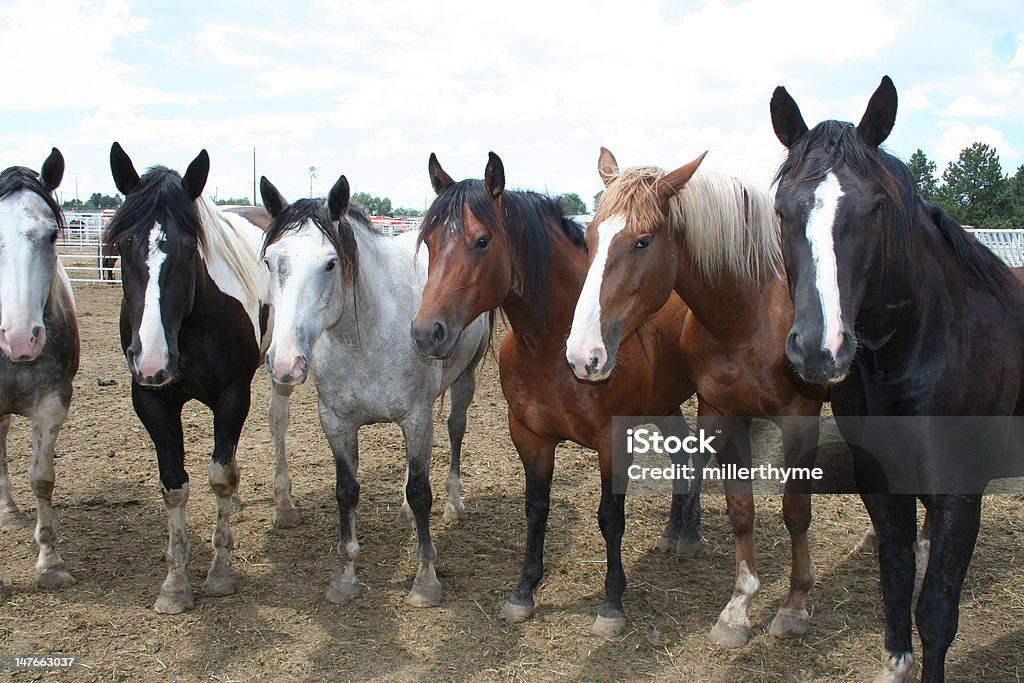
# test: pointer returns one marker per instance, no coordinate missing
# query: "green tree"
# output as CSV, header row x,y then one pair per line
x,y
73,205
375,206
102,201
571,204
233,201
923,170
404,212
1013,198
973,188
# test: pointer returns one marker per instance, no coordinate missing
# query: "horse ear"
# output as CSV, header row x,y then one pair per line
x,y
273,202
880,116
53,170
786,118
607,166
439,180
672,182
494,175
125,176
337,200
195,176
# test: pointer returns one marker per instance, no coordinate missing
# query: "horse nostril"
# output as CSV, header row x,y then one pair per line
x,y
36,331
592,366
440,332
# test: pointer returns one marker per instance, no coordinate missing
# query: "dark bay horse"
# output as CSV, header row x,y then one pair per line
x,y
903,314
191,328
714,240
495,248
39,346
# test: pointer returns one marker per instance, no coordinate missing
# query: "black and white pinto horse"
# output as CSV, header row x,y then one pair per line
x,y
905,314
344,296
38,345
191,328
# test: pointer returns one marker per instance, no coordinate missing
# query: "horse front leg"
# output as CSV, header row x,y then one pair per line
x,y
462,395
611,517
681,536
800,443
733,626
953,522
229,415
285,514
418,429
538,457
894,518
46,423
10,517
162,419
342,435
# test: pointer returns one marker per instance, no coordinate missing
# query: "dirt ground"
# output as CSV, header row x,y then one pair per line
x,y
278,626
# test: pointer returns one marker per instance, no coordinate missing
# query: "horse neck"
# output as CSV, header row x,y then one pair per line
x,y
726,305
565,281
370,304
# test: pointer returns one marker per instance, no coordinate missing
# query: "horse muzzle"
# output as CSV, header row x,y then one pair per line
x,y
819,365
23,344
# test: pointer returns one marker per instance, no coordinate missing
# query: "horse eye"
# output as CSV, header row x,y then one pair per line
x,y
643,242
482,242
330,264
54,235
877,208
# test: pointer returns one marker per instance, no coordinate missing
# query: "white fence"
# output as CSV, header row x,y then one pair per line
x,y
1007,244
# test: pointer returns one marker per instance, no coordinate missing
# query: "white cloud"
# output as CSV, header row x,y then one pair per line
x,y
956,136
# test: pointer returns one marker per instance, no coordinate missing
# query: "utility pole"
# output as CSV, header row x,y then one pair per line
x,y
312,174
254,195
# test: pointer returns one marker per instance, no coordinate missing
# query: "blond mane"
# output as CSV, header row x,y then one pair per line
x,y
729,226
226,240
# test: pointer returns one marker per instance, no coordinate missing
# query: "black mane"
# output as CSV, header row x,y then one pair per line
x,y
18,178
340,234
158,197
834,143
527,218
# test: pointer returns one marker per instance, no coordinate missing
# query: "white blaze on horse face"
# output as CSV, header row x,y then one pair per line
x,y
27,262
585,340
154,353
820,236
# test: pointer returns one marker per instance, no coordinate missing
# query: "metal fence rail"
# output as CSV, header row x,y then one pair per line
x,y
79,248
1008,245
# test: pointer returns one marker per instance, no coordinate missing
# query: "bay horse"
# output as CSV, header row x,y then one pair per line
x,y
343,296
191,328
901,313
39,346
495,248
714,240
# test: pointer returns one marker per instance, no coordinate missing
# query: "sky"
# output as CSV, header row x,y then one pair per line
x,y
370,89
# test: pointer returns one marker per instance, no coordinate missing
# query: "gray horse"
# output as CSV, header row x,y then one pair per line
x,y
38,345
344,296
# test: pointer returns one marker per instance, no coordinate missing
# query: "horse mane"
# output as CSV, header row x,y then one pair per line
x,y
526,218
728,225
833,143
17,178
340,234
225,240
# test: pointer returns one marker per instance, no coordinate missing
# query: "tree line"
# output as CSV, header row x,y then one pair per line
x,y
973,189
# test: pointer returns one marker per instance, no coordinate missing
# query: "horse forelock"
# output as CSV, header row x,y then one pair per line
x,y
340,234
729,226
17,178
158,198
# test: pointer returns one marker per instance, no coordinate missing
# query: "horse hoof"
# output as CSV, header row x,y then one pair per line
x,y
901,670
727,635
686,550
790,622
174,603
425,594
340,593
453,514
286,518
218,585
512,613
405,519
12,521
54,577
868,543
608,627
666,544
